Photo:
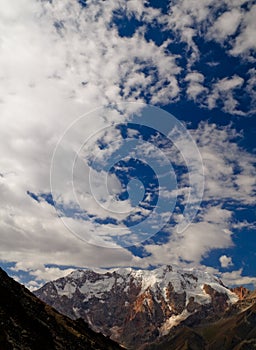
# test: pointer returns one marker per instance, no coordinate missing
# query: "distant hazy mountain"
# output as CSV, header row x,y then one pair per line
x,y
135,307
28,323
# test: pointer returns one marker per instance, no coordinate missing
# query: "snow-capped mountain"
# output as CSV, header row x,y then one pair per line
x,y
137,306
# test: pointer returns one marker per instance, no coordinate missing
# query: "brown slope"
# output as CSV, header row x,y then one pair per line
x,y
184,338
28,323
236,330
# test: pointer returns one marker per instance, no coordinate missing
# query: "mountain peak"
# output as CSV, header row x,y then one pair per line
x,y
124,301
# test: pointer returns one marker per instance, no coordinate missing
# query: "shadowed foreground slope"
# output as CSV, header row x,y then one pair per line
x,y
28,323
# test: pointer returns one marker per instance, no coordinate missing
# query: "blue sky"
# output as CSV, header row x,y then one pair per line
x,y
91,172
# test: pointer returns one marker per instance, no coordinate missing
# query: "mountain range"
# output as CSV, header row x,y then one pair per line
x,y
163,309
140,308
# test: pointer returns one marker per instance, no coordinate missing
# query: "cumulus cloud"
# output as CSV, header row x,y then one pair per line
x,y
211,232
229,170
39,273
225,261
226,25
251,88
236,278
223,91
244,43
195,85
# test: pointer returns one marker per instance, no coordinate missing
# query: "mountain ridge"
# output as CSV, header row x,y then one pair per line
x,y
134,307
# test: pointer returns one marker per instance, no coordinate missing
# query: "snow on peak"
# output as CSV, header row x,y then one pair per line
x,y
95,284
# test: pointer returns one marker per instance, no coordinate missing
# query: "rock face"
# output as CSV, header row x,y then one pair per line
x,y
241,292
137,306
234,330
27,323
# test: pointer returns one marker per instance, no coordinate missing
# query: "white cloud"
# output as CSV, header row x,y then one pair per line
x,y
195,86
229,170
225,25
251,88
194,77
236,278
41,272
211,232
225,261
229,84
224,91
245,41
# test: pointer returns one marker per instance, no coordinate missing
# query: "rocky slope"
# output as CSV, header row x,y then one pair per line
x,y
138,306
27,323
234,330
